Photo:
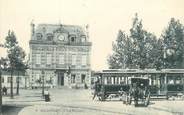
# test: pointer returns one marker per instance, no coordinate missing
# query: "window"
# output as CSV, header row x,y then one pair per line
x,y
61,59
78,59
83,39
84,60
2,80
18,79
9,79
83,76
38,58
39,36
73,78
49,37
37,76
73,39
49,59
74,57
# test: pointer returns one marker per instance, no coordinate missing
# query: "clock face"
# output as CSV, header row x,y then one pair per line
x,y
61,37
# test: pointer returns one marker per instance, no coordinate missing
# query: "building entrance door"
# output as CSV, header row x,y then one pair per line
x,y
60,78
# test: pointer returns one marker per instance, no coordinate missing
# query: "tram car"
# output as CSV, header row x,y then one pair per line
x,y
175,90
108,91
162,84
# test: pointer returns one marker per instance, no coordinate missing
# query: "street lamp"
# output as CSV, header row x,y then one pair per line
x,y
43,82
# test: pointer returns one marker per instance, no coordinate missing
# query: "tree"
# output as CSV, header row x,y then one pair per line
x,y
20,64
10,44
138,50
122,56
159,54
140,38
16,55
173,39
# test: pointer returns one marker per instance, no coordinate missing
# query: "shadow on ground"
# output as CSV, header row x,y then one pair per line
x,y
11,110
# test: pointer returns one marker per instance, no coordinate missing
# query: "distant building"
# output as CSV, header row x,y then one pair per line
x,y
60,53
6,79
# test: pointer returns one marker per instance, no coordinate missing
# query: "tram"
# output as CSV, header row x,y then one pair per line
x,y
165,83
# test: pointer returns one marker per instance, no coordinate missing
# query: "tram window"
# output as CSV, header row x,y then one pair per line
x,y
108,80
171,81
178,79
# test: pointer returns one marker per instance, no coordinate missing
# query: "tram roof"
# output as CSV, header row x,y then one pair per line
x,y
145,71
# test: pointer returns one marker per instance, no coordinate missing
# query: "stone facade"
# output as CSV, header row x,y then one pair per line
x,y
59,56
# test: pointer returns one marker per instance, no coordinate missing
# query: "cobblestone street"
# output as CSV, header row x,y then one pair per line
x,y
66,101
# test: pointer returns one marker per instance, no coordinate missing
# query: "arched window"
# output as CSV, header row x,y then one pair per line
x,y
73,39
49,37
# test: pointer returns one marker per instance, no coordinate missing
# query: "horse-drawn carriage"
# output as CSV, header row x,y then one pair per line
x,y
138,92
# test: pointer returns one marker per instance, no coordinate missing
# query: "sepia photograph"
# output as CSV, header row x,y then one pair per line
x,y
91,57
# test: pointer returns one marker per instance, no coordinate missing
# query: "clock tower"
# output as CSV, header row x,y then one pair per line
x,y
63,53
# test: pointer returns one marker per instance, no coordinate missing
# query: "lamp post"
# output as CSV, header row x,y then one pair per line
x,y
43,82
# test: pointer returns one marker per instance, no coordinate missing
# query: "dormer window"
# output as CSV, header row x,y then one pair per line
x,y
39,36
73,38
49,37
83,39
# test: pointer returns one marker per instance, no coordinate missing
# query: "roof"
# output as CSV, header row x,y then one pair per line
x,y
51,28
145,71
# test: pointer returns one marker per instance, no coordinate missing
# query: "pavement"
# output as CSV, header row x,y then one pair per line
x,y
66,101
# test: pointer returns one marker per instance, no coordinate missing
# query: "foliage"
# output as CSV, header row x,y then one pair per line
x,y
122,56
141,49
16,54
173,39
16,57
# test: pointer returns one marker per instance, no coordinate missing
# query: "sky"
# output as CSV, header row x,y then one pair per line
x,y
104,17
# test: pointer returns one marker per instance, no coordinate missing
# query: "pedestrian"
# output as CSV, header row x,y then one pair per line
x,y
4,90
47,95
96,89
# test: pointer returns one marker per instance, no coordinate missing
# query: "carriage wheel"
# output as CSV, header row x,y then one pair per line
x,y
102,97
99,98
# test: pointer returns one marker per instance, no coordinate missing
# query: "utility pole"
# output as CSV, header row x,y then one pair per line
x,y
2,66
0,91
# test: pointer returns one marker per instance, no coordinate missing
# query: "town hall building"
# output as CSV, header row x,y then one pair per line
x,y
59,56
